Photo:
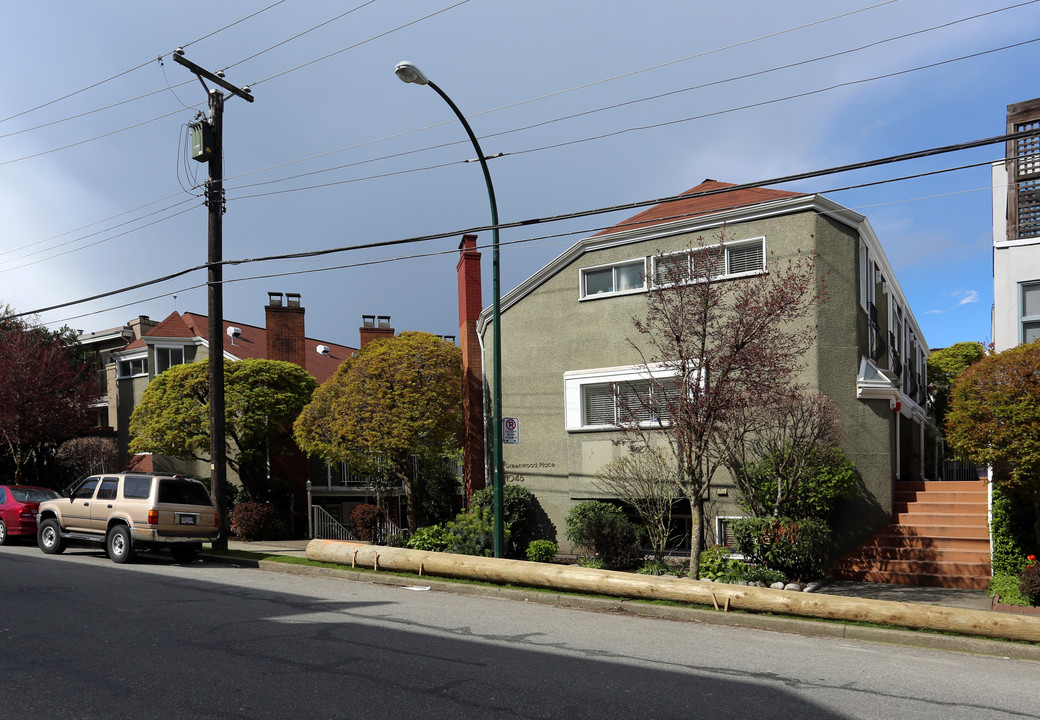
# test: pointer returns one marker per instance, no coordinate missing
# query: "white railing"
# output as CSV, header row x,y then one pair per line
x,y
326,527
384,530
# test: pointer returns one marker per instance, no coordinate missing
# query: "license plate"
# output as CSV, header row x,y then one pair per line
x,y
188,520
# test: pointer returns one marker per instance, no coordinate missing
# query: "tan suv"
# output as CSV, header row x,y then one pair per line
x,y
130,512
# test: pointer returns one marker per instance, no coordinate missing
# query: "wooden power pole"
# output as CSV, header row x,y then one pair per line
x,y
214,154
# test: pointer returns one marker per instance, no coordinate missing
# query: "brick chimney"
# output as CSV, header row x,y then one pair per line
x,y
285,328
374,327
468,269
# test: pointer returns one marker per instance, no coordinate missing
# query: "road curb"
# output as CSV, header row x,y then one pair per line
x,y
798,626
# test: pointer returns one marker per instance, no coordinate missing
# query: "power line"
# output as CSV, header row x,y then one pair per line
x,y
136,67
631,129
763,103
97,242
930,152
529,240
358,44
299,35
383,175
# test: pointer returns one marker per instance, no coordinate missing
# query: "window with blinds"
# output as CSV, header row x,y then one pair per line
x,y
744,258
711,262
636,401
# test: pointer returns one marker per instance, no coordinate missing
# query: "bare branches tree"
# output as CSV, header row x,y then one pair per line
x,y
86,455
789,429
717,346
646,481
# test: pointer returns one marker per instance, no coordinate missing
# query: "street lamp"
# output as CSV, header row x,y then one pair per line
x,y
409,73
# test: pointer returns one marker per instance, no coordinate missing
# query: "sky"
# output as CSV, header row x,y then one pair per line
x,y
583,104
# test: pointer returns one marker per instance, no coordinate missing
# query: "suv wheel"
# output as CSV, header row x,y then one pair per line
x,y
120,544
49,537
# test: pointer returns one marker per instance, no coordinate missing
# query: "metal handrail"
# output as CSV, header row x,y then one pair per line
x,y
326,527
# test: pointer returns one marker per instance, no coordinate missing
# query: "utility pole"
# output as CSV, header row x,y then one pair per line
x,y
213,152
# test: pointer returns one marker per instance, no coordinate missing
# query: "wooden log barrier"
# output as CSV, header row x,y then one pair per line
x,y
631,585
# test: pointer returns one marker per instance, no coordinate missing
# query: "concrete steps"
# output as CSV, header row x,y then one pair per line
x,y
939,537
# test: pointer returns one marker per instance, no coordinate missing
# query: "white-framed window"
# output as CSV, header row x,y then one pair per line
x,y
711,262
1029,312
167,357
605,398
724,534
133,367
614,279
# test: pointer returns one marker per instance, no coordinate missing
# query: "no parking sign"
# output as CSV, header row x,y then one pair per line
x,y
510,431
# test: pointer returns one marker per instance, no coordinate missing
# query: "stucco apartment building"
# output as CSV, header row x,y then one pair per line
x,y
566,332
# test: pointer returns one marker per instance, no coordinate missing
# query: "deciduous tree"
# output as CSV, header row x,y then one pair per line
x,y
944,367
994,418
262,399
718,348
397,398
646,481
46,390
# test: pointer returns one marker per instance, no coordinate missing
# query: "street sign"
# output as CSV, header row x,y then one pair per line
x,y
510,431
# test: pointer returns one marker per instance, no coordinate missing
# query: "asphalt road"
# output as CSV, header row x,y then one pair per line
x,y
83,638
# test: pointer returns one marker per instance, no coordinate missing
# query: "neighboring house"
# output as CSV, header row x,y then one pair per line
x,y
1016,233
102,344
184,338
566,333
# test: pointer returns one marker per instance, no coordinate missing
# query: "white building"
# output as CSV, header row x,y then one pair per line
x,y
1016,233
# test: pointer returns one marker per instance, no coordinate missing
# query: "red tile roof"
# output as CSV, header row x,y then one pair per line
x,y
701,205
252,343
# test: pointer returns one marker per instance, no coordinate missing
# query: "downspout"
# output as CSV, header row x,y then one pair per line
x,y
484,405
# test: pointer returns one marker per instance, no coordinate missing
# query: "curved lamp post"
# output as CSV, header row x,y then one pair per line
x,y
409,73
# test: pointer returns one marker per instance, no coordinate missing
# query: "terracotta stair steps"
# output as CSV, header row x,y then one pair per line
x,y
975,509
939,537
947,581
899,552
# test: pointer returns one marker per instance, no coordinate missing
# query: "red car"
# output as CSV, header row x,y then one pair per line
x,y
18,505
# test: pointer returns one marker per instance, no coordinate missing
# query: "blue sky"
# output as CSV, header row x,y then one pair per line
x,y
335,151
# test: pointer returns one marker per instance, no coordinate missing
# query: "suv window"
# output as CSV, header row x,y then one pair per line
x,y
137,487
183,491
86,490
108,489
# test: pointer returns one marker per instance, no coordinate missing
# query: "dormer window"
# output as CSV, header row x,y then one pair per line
x,y
167,357
133,367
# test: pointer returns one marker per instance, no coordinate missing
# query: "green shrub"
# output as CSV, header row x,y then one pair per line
x,y
716,564
822,477
603,530
1005,587
257,521
1011,532
799,549
542,551
365,519
763,575
591,562
431,539
655,567
473,533
1029,581
518,506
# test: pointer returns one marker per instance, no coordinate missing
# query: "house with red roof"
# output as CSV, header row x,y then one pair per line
x,y
151,347
567,346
